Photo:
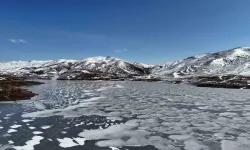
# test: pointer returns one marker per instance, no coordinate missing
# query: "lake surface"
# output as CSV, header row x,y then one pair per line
x,y
105,115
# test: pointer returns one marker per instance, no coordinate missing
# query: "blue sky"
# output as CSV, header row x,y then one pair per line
x,y
149,31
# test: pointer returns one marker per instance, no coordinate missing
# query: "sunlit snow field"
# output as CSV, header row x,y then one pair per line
x,y
103,115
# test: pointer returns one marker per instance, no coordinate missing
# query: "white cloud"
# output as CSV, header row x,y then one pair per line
x,y
16,41
121,50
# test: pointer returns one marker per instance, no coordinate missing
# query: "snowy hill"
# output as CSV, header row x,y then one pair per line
x,y
235,61
111,65
74,69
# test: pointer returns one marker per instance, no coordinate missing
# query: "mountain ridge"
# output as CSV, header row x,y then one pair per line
x,y
57,69
234,61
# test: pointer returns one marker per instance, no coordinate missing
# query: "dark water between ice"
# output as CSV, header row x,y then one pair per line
x,y
104,115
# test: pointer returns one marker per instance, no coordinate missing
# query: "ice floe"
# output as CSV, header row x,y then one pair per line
x,y
81,123
128,136
241,143
15,126
37,132
194,145
46,127
39,105
67,112
70,142
113,148
113,142
32,128
30,144
11,130
27,120
80,141
66,142
8,115
180,137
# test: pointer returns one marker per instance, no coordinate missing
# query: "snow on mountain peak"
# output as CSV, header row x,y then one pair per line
x,y
239,52
66,61
100,59
201,56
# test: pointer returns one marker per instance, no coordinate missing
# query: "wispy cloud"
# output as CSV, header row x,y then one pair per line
x,y
16,41
121,50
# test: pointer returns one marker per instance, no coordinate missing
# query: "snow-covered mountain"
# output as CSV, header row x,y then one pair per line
x,y
75,69
235,61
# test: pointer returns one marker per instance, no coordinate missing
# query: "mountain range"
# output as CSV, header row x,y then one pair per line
x,y
229,62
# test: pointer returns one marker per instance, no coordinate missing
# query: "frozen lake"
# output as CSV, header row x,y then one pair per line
x,y
105,115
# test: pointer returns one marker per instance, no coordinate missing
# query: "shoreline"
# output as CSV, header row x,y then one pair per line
x,y
11,89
